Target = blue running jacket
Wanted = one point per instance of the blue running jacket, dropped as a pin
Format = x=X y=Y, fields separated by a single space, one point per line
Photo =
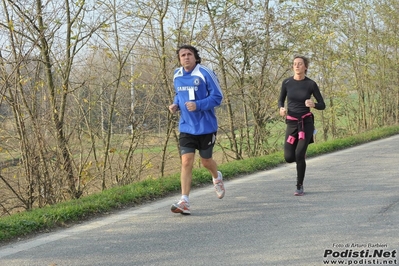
x=201 y=86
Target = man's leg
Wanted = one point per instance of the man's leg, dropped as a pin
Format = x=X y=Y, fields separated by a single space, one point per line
x=211 y=165
x=186 y=172
x=183 y=205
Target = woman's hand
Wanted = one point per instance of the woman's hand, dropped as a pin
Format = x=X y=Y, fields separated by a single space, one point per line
x=282 y=111
x=309 y=103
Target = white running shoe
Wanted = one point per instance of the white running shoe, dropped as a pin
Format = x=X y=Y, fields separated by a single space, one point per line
x=219 y=186
x=181 y=206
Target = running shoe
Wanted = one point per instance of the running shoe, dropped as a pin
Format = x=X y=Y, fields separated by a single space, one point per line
x=219 y=186
x=181 y=206
x=299 y=191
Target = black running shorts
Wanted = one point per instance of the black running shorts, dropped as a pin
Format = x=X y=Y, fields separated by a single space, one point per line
x=203 y=143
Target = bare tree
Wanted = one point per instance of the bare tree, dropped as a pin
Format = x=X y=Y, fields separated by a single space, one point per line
x=39 y=92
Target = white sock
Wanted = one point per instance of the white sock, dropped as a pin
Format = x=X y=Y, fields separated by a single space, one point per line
x=217 y=178
x=185 y=198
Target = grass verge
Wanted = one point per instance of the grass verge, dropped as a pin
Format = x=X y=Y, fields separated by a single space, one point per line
x=60 y=215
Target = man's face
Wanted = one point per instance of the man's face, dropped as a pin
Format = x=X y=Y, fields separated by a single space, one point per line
x=187 y=59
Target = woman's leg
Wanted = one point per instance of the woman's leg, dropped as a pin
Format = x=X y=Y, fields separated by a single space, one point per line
x=290 y=146
x=300 y=153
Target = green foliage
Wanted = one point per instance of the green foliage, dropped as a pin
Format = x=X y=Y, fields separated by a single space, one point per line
x=39 y=220
x=339 y=144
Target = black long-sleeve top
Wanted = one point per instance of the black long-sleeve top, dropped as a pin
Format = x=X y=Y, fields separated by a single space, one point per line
x=297 y=92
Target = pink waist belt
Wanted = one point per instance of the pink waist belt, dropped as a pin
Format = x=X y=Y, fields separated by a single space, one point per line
x=301 y=132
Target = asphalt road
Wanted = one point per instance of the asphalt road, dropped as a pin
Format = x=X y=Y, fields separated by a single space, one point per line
x=349 y=214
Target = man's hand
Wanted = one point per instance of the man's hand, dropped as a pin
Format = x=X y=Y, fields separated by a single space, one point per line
x=191 y=106
x=173 y=108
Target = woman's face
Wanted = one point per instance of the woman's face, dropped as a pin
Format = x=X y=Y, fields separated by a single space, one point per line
x=299 y=66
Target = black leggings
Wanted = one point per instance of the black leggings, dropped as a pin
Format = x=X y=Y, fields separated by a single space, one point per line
x=296 y=152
